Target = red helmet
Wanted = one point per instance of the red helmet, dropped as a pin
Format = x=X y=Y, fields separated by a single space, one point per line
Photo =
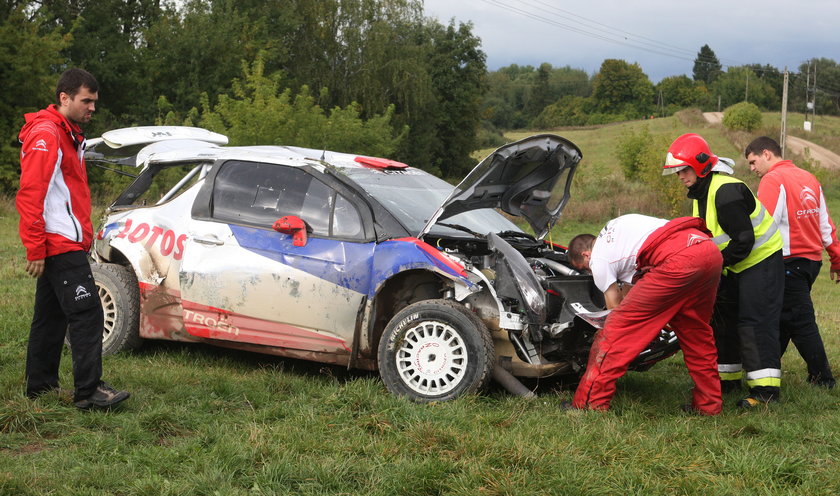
x=689 y=150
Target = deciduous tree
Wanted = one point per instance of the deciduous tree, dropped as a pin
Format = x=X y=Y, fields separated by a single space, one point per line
x=29 y=52
x=622 y=88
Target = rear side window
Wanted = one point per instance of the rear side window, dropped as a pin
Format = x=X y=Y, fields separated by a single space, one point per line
x=258 y=194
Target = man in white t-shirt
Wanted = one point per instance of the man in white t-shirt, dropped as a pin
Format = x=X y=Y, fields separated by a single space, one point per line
x=652 y=272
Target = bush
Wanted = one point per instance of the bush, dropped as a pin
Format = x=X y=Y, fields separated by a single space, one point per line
x=742 y=116
x=567 y=111
x=634 y=151
x=640 y=156
x=261 y=113
x=489 y=136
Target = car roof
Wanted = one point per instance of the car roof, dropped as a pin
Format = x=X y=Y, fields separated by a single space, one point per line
x=143 y=145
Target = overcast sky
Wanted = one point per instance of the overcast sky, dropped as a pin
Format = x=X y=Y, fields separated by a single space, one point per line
x=662 y=36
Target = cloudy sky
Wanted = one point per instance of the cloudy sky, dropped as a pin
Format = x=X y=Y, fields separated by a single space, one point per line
x=662 y=36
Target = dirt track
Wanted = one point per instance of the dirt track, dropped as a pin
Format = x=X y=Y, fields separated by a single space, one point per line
x=822 y=156
x=825 y=158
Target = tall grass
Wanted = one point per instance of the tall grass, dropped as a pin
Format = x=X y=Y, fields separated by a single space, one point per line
x=207 y=421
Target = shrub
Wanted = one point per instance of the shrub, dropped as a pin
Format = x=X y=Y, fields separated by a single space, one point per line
x=640 y=156
x=260 y=112
x=567 y=111
x=489 y=136
x=742 y=116
x=633 y=152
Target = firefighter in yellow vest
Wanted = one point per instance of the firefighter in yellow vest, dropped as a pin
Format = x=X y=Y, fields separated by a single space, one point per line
x=749 y=300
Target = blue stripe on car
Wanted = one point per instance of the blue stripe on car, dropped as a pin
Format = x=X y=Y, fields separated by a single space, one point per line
x=360 y=267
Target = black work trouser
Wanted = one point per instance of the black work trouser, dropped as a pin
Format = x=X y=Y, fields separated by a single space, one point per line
x=66 y=302
x=746 y=322
x=798 y=323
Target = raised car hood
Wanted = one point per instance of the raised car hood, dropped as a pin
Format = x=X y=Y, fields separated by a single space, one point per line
x=529 y=178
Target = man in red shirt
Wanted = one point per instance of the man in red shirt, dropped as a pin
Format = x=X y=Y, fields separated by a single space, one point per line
x=795 y=198
x=54 y=206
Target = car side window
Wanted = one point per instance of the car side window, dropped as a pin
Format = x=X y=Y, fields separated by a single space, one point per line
x=259 y=194
x=347 y=223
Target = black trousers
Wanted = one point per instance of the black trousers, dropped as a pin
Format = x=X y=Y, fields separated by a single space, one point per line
x=746 y=322
x=66 y=302
x=798 y=323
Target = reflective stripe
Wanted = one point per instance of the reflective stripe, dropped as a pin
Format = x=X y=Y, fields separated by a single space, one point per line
x=761 y=374
x=767 y=381
x=729 y=367
x=731 y=376
x=767 y=237
x=755 y=221
x=773 y=229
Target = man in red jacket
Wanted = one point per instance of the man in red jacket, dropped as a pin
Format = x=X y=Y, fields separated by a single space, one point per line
x=680 y=269
x=795 y=199
x=55 y=228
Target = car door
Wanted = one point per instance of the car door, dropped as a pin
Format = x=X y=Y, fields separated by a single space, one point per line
x=241 y=280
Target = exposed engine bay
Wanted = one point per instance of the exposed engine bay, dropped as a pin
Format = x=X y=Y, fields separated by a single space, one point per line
x=564 y=308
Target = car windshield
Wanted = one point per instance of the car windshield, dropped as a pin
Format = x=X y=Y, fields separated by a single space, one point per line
x=412 y=196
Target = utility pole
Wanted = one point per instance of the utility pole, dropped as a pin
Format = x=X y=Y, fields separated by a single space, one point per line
x=814 y=106
x=747 y=91
x=807 y=98
x=783 y=133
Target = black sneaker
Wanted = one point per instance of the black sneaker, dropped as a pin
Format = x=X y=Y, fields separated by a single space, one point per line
x=103 y=397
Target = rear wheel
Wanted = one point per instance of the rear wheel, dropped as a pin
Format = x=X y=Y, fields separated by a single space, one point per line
x=435 y=350
x=120 y=296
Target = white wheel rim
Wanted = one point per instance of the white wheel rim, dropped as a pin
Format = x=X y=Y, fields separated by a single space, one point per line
x=109 y=308
x=432 y=358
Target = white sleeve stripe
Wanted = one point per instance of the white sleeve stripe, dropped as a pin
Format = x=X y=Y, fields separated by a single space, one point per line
x=780 y=215
x=825 y=225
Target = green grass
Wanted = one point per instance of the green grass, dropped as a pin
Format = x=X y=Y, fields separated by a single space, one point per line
x=206 y=421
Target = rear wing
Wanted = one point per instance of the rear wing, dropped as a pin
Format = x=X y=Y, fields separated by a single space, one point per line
x=121 y=146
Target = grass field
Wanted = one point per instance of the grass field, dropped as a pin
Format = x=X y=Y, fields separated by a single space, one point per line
x=204 y=421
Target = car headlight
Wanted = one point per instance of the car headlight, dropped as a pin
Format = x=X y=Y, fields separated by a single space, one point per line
x=515 y=279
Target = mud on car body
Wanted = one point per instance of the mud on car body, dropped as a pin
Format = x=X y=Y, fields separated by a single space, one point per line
x=345 y=259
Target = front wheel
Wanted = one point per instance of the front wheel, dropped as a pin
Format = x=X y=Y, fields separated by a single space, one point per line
x=120 y=297
x=435 y=350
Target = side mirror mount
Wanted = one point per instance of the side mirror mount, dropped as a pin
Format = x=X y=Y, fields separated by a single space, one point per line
x=293 y=225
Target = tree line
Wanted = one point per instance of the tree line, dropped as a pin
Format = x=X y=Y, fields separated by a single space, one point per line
x=544 y=96
x=369 y=76
x=364 y=76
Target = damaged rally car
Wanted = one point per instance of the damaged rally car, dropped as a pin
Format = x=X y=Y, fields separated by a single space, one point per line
x=346 y=259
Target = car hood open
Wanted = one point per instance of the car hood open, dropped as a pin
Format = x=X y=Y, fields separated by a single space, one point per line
x=529 y=178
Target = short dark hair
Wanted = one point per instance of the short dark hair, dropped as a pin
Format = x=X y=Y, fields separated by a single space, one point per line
x=578 y=245
x=72 y=80
x=762 y=143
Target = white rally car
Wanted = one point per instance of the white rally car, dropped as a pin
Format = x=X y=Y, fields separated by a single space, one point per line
x=347 y=259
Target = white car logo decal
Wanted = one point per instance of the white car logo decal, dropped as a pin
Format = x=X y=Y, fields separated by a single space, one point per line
x=81 y=292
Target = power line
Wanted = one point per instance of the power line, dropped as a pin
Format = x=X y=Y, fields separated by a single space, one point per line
x=592 y=22
x=604 y=37
x=595 y=29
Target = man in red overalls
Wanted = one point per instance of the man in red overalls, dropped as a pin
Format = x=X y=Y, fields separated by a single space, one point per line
x=680 y=269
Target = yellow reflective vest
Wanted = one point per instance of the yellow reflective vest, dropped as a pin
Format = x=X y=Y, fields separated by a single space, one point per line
x=768 y=239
